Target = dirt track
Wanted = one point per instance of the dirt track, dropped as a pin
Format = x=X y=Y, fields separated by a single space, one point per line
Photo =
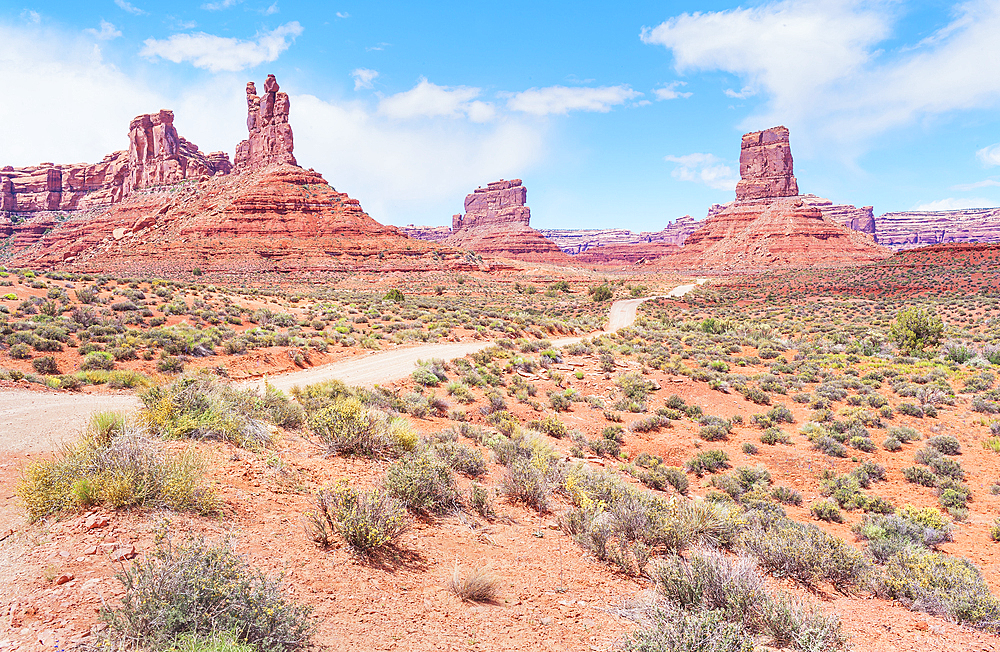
x=32 y=422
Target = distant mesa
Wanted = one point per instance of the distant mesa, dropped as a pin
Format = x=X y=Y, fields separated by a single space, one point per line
x=496 y=223
x=164 y=207
x=770 y=224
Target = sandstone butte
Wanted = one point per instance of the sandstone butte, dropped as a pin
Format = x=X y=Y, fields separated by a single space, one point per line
x=163 y=207
x=496 y=223
x=770 y=224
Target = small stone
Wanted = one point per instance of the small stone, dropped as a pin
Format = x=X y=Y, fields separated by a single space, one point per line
x=121 y=554
x=92 y=550
x=62 y=579
x=547 y=620
x=95 y=521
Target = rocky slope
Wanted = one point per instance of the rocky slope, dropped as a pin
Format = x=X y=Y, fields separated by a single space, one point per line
x=496 y=224
x=769 y=224
x=577 y=241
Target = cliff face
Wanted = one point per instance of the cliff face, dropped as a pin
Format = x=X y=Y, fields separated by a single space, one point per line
x=578 y=241
x=769 y=224
x=906 y=230
x=766 y=166
x=496 y=223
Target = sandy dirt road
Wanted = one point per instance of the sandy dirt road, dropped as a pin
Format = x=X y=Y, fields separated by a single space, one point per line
x=33 y=422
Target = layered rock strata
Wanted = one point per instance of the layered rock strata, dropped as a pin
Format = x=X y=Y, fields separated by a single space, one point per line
x=769 y=224
x=905 y=230
x=158 y=156
x=496 y=223
x=578 y=241
x=428 y=233
x=766 y=166
x=270 y=140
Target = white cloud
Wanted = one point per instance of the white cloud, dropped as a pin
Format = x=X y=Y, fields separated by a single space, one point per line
x=129 y=7
x=216 y=53
x=273 y=9
x=30 y=16
x=707 y=169
x=363 y=78
x=219 y=6
x=952 y=204
x=560 y=100
x=670 y=92
x=428 y=100
x=106 y=33
x=822 y=64
x=343 y=14
x=741 y=94
x=53 y=69
x=964 y=187
x=410 y=171
x=989 y=155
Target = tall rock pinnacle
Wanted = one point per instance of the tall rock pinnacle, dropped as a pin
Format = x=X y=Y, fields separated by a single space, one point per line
x=270 y=140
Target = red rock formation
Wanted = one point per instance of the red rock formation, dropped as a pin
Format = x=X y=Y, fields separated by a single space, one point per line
x=270 y=140
x=766 y=165
x=496 y=224
x=158 y=156
x=769 y=225
x=640 y=253
x=906 y=230
x=282 y=218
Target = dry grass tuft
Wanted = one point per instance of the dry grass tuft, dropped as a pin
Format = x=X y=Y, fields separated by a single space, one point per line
x=478 y=586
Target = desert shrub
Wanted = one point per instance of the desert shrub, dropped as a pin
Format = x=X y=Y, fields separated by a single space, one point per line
x=806 y=554
x=368 y=521
x=45 y=365
x=736 y=589
x=830 y=446
x=478 y=585
x=526 y=483
x=786 y=496
x=754 y=394
x=920 y=475
x=916 y=329
x=774 y=436
x=889 y=533
x=98 y=360
x=708 y=462
x=481 y=501
x=170 y=364
x=550 y=425
x=119 y=467
x=634 y=386
x=938 y=584
x=689 y=631
x=652 y=423
x=199 y=407
x=199 y=587
x=892 y=444
x=424 y=483
x=661 y=476
x=749 y=448
x=347 y=427
x=826 y=510
x=945 y=444
x=910 y=410
x=20 y=351
x=465 y=460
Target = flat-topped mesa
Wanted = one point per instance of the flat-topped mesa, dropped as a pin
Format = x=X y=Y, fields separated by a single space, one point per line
x=158 y=156
x=270 y=141
x=766 y=166
x=500 y=202
x=496 y=223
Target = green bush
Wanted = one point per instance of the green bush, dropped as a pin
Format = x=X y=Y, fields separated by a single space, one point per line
x=347 y=427
x=945 y=444
x=424 y=482
x=944 y=586
x=119 y=467
x=708 y=462
x=525 y=483
x=368 y=521
x=600 y=292
x=98 y=360
x=204 y=588
x=199 y=407
x=786 y=496
x=465 y=460
x=20 y=351
x=806 y=554
x=916 y=329
x=826 y=510
x=920 y=475
x=45 y=365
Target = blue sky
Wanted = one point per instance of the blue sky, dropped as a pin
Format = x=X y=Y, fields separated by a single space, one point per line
x=614 y=116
